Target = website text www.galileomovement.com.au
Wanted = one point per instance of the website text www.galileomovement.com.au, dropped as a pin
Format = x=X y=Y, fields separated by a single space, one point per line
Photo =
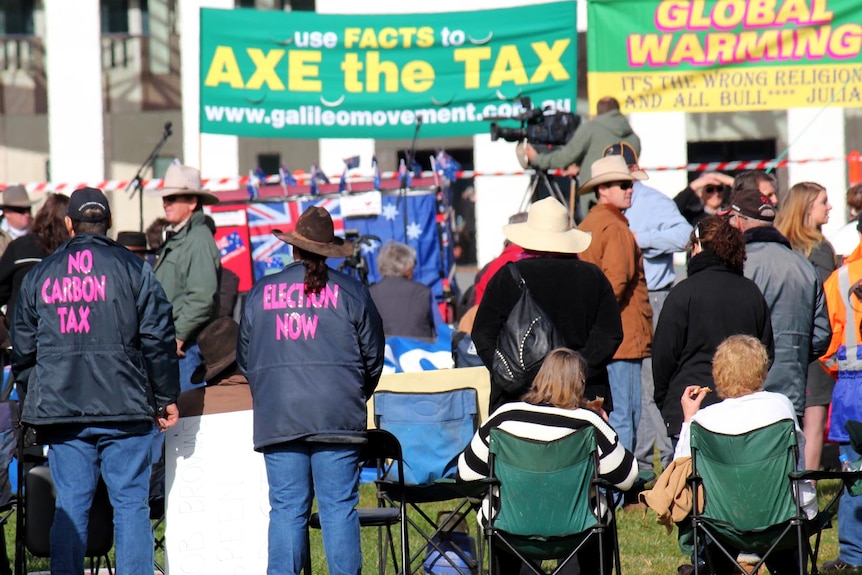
x=311 y=115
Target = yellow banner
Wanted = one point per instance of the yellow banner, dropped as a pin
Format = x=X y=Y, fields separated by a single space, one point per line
x=726 y=90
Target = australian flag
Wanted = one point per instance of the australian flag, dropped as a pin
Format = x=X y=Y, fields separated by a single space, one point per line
x=376 y=167
x=286 y=178
x=447 y=165
x=269 y=253
x=317 y=175
x=256 y=178
x=349 y=164
x=405 y=178
x=229 y=246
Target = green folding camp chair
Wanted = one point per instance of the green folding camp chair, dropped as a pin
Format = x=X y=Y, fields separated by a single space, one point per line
x=544 y=494
x=748 y=494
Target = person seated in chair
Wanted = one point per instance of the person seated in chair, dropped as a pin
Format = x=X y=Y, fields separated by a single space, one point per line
x=739 y=369
x=404 y=304
x=551 y=409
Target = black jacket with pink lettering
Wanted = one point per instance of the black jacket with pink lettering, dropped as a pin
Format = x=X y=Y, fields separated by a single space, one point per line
x=93 y=337
x=312 y=361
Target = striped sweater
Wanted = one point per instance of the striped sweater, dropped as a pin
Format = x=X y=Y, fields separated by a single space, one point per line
x=546 y=423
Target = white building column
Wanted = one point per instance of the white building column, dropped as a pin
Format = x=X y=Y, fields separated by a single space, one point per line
x=663 y=144
x=73 y=66
x=497 y=197
x=160 y=36
x=815 y=133
x=215 y=155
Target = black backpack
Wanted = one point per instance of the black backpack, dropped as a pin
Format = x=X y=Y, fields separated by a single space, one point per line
x=524 y=341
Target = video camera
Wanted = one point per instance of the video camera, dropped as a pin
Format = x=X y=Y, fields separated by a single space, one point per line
x=541 y=126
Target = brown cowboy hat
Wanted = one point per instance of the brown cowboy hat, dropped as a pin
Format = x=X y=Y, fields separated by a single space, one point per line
x=217 y=343
x=16 y=197
x=134 y=242
x=315 y=233
x=183 y=180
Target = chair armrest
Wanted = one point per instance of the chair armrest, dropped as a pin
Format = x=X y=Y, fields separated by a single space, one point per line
x=844 y=476
x=475 y=488
x=644 y=477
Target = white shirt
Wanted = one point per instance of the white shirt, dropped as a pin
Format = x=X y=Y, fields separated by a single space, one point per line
x=743 y=414
x=13 y=233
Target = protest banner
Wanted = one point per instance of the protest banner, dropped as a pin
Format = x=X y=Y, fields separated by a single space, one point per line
x=272 y=74
x=725 y=55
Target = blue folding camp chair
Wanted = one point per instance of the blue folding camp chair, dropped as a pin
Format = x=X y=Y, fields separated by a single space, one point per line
x=433 y=429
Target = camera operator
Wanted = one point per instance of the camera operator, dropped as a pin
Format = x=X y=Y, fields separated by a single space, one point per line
x=608 y=127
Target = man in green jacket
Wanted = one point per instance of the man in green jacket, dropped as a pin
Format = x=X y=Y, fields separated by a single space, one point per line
x=188 y=264
x=608 y=127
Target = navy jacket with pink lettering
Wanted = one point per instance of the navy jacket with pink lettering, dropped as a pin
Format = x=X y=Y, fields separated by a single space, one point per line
x=93 y=337
x=312 y=360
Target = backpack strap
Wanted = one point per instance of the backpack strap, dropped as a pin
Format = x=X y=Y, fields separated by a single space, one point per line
x=517 y=275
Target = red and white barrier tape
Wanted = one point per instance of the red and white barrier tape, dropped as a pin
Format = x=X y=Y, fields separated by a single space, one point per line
x=221 y=184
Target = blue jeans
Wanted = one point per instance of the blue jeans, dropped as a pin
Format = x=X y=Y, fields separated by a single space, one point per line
x=188 y=364
x=121 y=453
x=850 y=521
x=625 y=380
x=332 y=471
x=652 y=430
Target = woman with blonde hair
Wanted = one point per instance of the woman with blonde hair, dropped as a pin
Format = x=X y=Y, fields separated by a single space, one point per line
x=801 y=217
x=739 y=368
x=551 y=409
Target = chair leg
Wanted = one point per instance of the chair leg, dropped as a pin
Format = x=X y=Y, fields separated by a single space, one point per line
x=307 y=568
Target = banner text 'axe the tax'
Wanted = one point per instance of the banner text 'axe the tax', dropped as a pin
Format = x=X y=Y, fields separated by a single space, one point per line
x=304 y=75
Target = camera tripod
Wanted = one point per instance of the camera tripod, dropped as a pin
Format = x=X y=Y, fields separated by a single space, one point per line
x=542 y=177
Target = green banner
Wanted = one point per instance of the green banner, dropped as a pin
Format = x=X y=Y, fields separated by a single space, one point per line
x=725 y=55
x=274 y=74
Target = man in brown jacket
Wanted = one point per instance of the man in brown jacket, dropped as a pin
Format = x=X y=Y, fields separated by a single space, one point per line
x=616 y=252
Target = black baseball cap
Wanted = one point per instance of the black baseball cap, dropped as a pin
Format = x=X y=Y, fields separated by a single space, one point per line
x=88 y=199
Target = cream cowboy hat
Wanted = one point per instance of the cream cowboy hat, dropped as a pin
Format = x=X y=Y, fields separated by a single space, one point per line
x=608 y=169
x=183 y=180
x=547 y=229
x=16 y=197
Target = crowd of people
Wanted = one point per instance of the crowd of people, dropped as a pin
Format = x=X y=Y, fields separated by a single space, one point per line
x=112 y=342
x=756 y=268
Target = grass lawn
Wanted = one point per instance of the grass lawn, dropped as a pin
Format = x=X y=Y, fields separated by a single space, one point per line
x=646 y=548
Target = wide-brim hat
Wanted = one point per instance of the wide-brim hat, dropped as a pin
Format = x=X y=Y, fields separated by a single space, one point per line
x=134 y=241
x=315 y=233
x=16 y=197
x=183 y=180
x=217 y=343
x=608 y=169
x=547 y=229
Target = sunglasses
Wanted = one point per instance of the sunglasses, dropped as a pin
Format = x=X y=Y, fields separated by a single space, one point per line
x=713 y=190
x=17 y=210
x=624 y=185
x=177 y=197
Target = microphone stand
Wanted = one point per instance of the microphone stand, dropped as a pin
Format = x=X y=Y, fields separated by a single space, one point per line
x=411 y=155
x=136 y=185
